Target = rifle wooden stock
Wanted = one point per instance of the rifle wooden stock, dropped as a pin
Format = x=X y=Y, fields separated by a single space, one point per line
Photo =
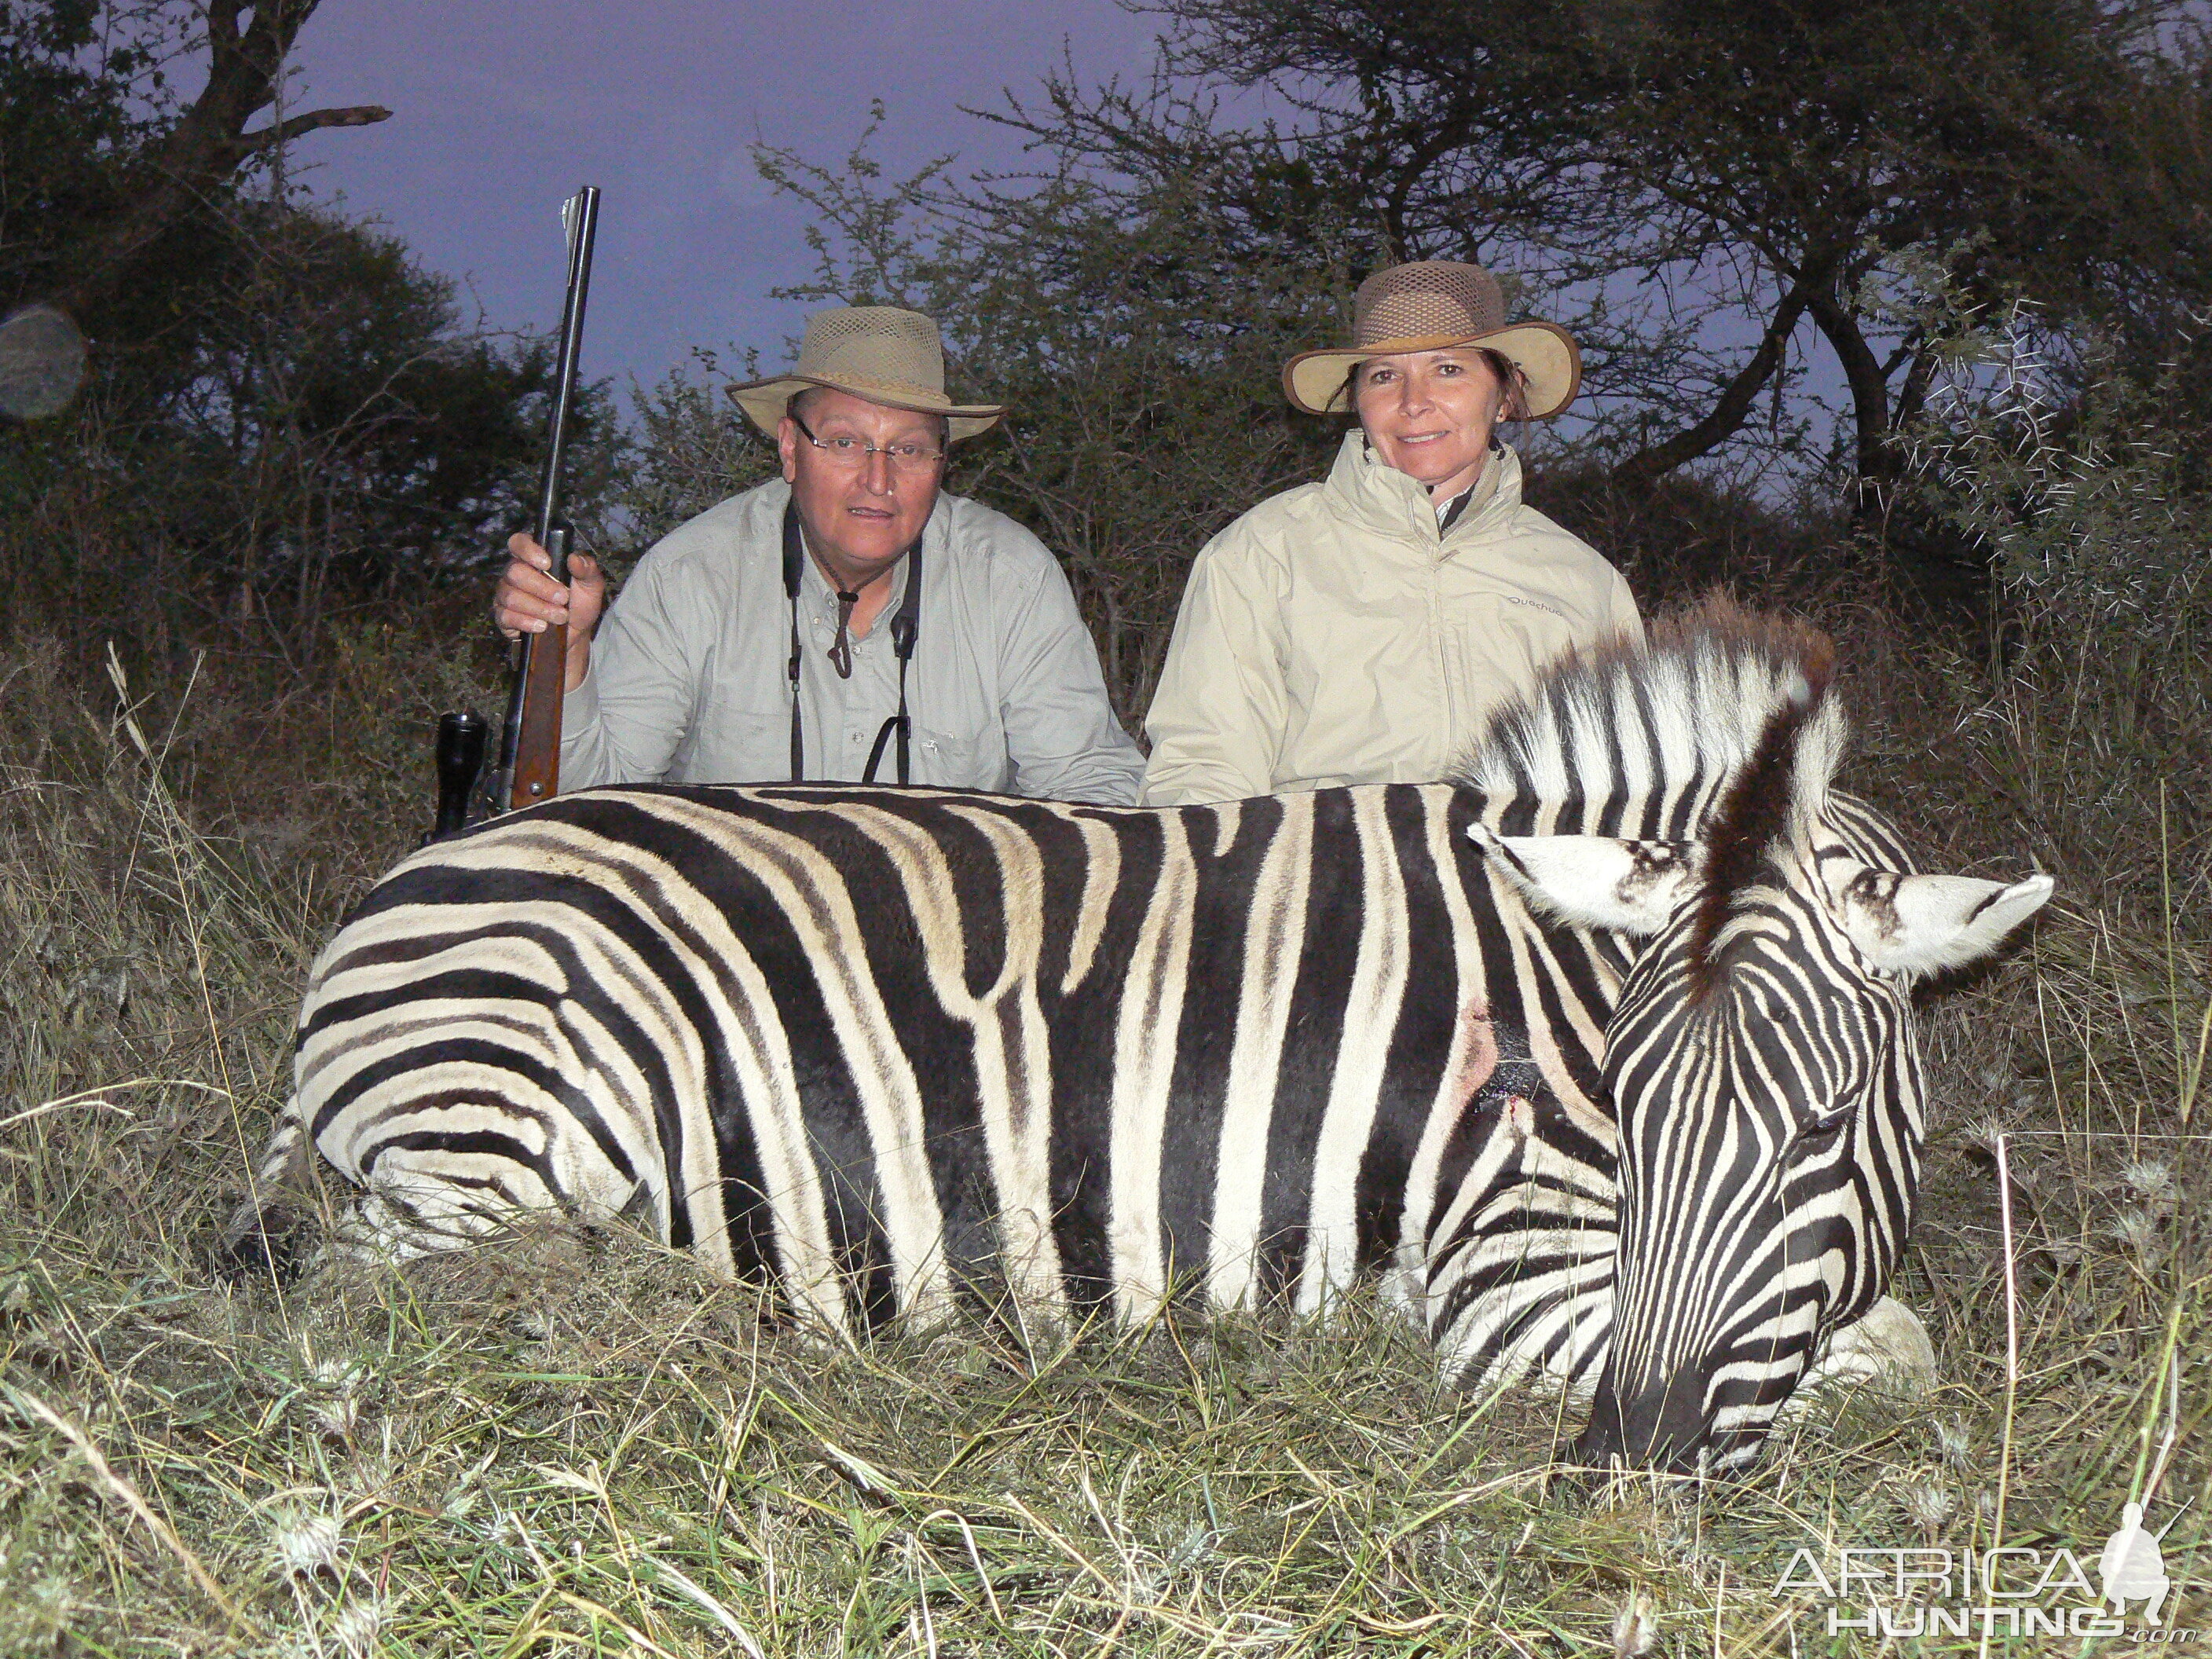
x=538 y=753
x=541 y=675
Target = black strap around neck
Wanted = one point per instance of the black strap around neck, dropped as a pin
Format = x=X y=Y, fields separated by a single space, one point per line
x=906 y=630
x=794 y=556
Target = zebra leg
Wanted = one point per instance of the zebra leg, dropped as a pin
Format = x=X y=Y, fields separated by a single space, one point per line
x=447 y=1188
x=261 y=1239
x=1888 y=1346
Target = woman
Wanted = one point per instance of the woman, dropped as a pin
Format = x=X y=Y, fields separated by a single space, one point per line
x=1362 y=629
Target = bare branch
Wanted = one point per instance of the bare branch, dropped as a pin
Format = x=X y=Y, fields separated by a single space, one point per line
x=358 y=115
x=188 y=167
x=1733 y=407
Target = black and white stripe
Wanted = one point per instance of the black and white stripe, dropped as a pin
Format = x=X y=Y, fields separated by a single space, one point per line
x=904 y=1051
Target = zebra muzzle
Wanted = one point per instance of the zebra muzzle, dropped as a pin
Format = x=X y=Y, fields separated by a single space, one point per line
x=1667 y=1426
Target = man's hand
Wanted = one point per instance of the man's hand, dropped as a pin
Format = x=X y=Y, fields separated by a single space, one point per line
x=528 y=600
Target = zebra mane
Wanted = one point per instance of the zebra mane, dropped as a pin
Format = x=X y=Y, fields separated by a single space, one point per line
x=1718 y=729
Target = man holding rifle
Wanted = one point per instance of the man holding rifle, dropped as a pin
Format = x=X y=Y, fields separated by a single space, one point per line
x=848 y=622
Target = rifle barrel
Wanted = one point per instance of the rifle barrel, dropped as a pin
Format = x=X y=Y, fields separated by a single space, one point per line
x=585 y=207
x=530 y=742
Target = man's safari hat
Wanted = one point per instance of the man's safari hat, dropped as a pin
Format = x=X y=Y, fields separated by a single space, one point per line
x=881 y=353
x=1430 y=305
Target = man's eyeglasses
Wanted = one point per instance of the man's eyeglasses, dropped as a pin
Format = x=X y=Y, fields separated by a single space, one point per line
x=909 y=456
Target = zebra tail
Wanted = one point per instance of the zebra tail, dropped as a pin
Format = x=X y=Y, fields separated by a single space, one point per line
x=263 y=1240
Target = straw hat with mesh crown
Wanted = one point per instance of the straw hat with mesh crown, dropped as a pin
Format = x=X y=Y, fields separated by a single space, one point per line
x=883 y=353
x=1430 y=305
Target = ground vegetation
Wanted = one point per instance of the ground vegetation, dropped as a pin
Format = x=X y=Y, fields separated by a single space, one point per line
x=572 y=1442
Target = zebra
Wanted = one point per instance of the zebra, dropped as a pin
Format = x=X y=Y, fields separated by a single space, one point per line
x=1599 y=1055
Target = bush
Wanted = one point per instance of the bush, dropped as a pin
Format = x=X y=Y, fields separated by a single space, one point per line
x=2093 y=508
x=318 y=434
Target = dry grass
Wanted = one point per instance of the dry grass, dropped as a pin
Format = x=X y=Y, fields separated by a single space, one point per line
x=573 y=1443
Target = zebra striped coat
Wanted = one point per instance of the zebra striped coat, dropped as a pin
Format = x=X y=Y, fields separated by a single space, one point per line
x=893 y=1052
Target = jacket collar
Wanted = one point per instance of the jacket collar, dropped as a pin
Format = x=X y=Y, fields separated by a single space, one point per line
x=1388 y=501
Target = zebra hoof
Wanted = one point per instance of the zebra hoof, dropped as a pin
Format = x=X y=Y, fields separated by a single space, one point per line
x=263 y=1244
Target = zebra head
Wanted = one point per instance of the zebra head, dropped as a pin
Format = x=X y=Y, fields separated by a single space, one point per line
x=1761 y=1065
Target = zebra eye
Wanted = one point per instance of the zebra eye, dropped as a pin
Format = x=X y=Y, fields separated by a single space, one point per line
x=1822 y=1125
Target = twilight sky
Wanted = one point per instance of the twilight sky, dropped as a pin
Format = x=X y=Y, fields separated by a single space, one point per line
x=501 y=109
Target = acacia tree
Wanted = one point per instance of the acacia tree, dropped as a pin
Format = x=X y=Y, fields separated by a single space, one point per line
x=1716 y=183
x=99 y=163
x=283 y=413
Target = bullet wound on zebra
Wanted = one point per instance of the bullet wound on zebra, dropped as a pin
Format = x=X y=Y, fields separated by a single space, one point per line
x=1598 y=1055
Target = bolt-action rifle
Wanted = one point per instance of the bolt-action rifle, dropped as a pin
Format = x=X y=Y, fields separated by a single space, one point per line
x=528 y=767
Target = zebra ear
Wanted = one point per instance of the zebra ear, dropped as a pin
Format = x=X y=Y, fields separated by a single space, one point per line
x=1597 y=881
x=1917 y=925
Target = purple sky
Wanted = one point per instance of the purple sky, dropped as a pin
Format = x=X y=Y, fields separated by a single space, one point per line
x=501 y=109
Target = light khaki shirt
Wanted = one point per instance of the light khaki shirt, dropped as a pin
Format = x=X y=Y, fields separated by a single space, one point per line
x=1334 y=635
x=688 y=681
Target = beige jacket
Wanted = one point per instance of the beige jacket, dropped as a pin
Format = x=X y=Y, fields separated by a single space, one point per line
x=1331 y=635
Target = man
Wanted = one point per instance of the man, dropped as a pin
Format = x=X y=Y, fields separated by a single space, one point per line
x=761 y=640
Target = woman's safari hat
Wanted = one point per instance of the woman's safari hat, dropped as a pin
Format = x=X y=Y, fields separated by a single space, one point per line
x=883 y=353
x=1430 y=305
